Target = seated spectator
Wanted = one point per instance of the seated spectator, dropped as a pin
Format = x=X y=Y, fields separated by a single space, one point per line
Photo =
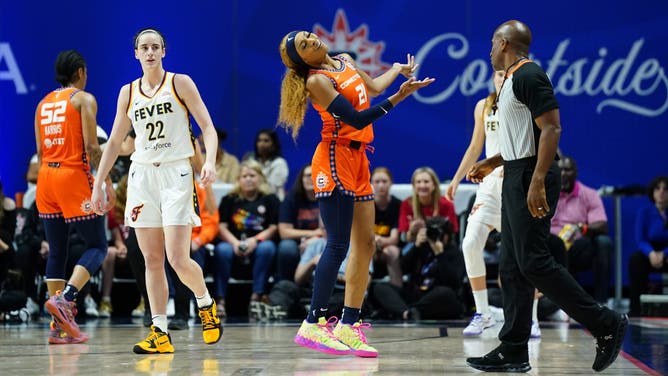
x=227 y=165
x=652 y=237
x=248 y=225
x=268 y=154
x=436 y=272
x=580 y=221
x=298 y=224
x=7 y=232
x=387 y=234
x=426 y=201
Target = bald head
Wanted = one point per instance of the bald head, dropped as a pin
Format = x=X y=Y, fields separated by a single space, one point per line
x=517 y=34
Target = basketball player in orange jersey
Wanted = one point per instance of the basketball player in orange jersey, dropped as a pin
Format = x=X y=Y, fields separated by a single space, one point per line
x=341 y=93
x=66 y=140
x=161 y=200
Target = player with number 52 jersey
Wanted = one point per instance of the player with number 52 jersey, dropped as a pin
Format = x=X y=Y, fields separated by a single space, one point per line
x=66 y=140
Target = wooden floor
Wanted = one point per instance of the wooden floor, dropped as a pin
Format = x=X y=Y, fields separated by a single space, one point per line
x=267 y=349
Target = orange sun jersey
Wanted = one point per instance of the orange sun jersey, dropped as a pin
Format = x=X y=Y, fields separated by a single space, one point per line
x=350 y=84
x=60 y=130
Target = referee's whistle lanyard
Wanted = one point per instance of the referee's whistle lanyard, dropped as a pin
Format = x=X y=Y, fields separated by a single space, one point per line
x=511 y=69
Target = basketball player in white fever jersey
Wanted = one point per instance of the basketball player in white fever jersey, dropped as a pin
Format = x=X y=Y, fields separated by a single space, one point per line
x=161 y=201
x=486 y=212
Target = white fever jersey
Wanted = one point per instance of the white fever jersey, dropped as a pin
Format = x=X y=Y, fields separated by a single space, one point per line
x=161 y=122
x=491 y=123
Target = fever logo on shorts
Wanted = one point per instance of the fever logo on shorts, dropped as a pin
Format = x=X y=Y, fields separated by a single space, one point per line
x=135 y=212
x=86 y=206
x=322 y=180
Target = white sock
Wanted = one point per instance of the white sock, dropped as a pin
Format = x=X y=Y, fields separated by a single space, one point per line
x=481 y=302
x=204 y=300
x=160 y=322
x=534 y=314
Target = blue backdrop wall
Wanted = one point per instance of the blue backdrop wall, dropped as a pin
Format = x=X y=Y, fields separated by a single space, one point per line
x=607 y=61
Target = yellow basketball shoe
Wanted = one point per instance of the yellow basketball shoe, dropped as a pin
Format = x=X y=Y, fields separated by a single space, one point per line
x=157 y=342
x=354 y=337
x=318 y=336
x=212 y=330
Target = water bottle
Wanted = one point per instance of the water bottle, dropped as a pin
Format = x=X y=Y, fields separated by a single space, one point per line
x=568 y=233
x=243 y=247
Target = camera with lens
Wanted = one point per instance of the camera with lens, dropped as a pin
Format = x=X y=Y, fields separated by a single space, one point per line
x=437 y=227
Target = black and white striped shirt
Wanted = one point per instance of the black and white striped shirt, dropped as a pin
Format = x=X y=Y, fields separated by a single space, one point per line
x=524 y=96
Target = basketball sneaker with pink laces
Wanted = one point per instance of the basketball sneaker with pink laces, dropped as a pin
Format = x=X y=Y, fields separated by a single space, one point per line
x=63 y=313
x=353 y=336
x=58 y=336
x=318 y=336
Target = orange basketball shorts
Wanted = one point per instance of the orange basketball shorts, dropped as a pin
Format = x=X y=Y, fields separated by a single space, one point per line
x=64 y=192
x=342 y=167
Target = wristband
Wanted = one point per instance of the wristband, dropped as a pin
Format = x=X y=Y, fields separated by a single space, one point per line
x=259 y=238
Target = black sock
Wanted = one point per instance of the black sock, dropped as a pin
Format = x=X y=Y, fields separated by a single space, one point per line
x=350 y=315
x=70 y=293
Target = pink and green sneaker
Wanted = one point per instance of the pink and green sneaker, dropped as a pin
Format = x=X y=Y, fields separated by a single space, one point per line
x=58 y=336
x=319 y=337
x=354 y=337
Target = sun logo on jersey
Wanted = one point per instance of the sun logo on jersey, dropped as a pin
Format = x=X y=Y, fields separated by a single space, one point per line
x=86 y=206
x=135 y=212
x=342 y=39
x=322 y=180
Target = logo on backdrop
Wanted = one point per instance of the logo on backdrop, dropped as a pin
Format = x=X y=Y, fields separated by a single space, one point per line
x=628 y=82
x=342 y=39
x=11 y=71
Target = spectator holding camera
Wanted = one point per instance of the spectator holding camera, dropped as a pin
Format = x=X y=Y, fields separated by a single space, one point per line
x=426 y=201
x=436 y=271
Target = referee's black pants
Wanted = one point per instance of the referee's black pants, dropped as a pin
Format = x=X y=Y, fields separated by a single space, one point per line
x=525 y=261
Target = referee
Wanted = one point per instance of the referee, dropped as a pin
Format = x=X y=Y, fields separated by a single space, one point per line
x=528 y=140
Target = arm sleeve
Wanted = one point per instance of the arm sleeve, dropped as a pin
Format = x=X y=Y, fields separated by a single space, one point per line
x=340 y=108
x=533 y=88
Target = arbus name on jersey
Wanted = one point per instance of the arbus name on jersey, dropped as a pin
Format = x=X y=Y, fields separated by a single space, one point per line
x=349 y=81
x=157 y=109
x=53 y=129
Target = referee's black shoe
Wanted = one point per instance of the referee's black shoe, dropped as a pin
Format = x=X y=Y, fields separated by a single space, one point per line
x=504 y=358
x=609 y=343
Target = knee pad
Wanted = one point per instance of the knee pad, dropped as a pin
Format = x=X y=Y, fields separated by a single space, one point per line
x=92 y=259
x=472 y=246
